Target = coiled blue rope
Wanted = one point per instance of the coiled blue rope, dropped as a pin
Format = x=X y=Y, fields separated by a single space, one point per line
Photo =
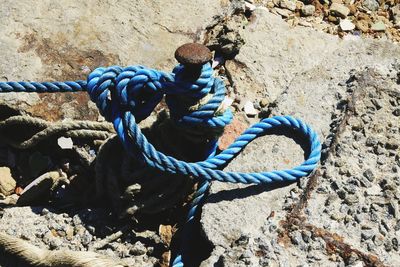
x=125 y=96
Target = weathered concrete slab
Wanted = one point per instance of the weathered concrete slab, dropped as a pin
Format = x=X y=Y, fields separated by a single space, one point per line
x=274 y=54
x=314 y=91
x=358 y=197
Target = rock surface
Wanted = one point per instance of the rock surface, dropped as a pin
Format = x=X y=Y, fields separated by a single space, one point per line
x=347 y=214
x=317 y=94
x=263 y=32
x=360 y=188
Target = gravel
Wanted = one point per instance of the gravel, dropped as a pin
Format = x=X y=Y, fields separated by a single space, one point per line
x=327 y=15
x=372 y=208
x=50 y=229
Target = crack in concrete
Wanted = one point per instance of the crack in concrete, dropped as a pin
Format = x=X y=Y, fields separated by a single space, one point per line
x=295 y=219
x=194 y=36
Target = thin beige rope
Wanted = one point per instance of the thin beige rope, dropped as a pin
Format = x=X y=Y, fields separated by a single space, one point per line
x=34 y=256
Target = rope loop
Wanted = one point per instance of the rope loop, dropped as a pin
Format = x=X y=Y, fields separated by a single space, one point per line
x=210 y=169
x=99 y=86
x=139 y=90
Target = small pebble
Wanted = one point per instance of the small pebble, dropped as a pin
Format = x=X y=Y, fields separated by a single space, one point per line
x=346 y=25
x=250 y=7
x=86 y=238
x=339 y=10
x=45 y=211
x=288 y=4
x=362 y=25
x=308 y=10
x=283 y=12
x=138 y=249
x=65 y=142
x=249 y=109
x=264 y=102
x=371 y=5
x=378 y=27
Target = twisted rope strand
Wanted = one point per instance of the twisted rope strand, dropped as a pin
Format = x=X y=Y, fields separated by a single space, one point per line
x=78 y=129
x=42 y=257
x=131 y=136
x=50 y=87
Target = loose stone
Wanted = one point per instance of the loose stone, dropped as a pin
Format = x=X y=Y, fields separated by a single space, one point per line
x=371 y=5
x=283 y=12
x=264 y=102
x=65 y=142
x=378 y=27
x=7 y=182
x=339 y=10
x=362 y=25
x=346 y=25
x=288 y=4
x=308 y=10
x=249 y=109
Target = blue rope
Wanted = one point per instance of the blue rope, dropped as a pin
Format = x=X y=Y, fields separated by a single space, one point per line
x=69 y=86
x=125 y=96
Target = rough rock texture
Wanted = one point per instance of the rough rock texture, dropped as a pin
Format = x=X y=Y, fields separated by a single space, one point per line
x=274 y=54
x=310 y=82
x=346 y=214
x=360 y=188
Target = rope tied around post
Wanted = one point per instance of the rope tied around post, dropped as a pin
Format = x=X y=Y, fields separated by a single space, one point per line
x=126 y=96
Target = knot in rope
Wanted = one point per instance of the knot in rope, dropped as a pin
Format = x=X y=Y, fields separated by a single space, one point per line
x=135 y=89
x=138 y=90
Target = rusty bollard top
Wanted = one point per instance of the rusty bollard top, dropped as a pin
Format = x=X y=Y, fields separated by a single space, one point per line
x=193 y=54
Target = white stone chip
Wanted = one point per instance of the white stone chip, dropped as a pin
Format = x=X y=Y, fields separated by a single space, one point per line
x=217 y=61
x=346 y=25
x=65 y=142
x=249 y=109
x=250 y=7
x=227 y=102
